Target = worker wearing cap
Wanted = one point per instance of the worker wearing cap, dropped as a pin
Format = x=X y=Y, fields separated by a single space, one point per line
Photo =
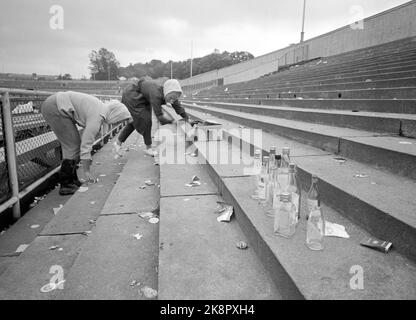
x=143 y=96
x=63 y=111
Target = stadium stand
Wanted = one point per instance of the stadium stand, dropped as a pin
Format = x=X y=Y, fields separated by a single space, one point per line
x=350 y=119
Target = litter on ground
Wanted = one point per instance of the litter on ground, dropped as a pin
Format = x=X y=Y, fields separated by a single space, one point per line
x=148 y=292
x=56 y=210
x=195 y=182
x=83 y=189
x=21 y=248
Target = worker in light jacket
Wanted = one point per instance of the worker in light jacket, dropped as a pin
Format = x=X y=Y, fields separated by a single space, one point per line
x=63 y=111
x=143 y=96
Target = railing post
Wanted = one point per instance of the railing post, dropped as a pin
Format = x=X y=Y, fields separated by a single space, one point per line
x=11 y=153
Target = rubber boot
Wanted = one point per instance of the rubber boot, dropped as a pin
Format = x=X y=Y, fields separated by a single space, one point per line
x=66 y=178
x=75 y=179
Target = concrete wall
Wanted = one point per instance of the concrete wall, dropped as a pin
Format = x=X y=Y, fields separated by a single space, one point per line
x=394 y=24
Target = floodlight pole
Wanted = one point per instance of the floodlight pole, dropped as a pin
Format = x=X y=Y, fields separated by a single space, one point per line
x=191 y=56
x=302 y=34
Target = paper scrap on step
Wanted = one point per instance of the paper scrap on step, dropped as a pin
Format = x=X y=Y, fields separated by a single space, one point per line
x=56 y=210
x=21 y=248
x=335 y=230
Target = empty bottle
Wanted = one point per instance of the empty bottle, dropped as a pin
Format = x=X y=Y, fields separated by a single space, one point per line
x=272 y=156
x=273 y=187
x=285 y=217
x=294 y=190
x=315 y=230
x=257 y=170
x=283 y=172
x=263 y=182
x=313 y=198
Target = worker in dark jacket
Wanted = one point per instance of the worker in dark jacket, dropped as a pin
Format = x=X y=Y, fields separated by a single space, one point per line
x=141 y=98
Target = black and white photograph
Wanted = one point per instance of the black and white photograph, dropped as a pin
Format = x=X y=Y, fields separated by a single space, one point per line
x=207 y=158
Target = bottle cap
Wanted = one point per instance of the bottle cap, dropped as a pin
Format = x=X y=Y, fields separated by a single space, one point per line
x=273 y=149
x=286 y=150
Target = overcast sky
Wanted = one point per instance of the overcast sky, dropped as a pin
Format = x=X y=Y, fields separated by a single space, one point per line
x=139 y=30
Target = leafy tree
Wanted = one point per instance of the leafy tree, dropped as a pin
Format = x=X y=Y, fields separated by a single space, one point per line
x=103 y=65
x=66 y=76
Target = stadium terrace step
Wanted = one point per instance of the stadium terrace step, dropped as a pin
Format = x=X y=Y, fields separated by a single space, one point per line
x=198 y=256
x=392 y=123
x=298 y=272
x=405 y=106
x=113 y=264
x=325 y=66
x=322 y=72
x=386 y=83
x=367 y=78
x=368 y=93
x=312 y=78
x=395 y=154
x=68 y=230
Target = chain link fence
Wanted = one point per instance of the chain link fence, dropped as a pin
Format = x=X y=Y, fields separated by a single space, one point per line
x=36 y=152
x=37 y=149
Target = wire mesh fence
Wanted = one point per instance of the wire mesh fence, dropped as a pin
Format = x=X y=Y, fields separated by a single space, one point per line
x=36 y=148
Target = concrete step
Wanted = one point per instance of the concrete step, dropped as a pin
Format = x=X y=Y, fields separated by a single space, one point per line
x=331 y=81
x=112 y=257
x=342 y=69
x=310 y=76
x=198 y=257
x=391 y=153
x=379 y=194
x=315 y=76
x=392 y=123
x=298 y=272
x=368 y=93
x=373 y=93
x=385 y=83
x=406 y=106
x=24 y=274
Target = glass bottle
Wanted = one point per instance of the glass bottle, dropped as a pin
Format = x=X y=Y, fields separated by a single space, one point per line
x=283 y=172
x=285 y=217
x=313 y=198
x=293 y=189
x=273 y=187
x=263 y=182
x=272 y=156
x=315 y=230
x=257 y=170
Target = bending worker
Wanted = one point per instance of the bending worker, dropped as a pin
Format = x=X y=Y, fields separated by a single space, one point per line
x=141 y=98
x=63 y=111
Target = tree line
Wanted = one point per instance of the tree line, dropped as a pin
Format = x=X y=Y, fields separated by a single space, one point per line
x=105 y=66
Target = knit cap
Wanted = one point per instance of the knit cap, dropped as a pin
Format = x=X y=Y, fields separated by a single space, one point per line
x=171 y=85
x=116 y=112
